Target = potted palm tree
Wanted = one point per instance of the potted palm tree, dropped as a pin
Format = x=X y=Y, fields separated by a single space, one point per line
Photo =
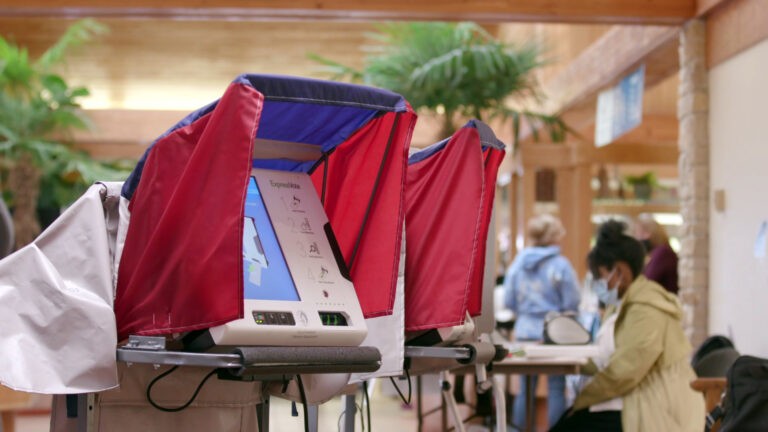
x=452 y=69
x=643 y=185
x=40 y=170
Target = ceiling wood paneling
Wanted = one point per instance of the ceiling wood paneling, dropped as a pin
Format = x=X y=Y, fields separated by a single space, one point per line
x=150 y=64
x=570 y=11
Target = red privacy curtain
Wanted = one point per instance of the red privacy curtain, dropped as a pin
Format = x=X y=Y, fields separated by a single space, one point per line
x=181 y=269
x=449 y=198
x=492 y=158
x=443 y=200
x=353 y=170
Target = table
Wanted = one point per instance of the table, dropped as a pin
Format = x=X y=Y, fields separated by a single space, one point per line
x=543 y=360
x=538 y=359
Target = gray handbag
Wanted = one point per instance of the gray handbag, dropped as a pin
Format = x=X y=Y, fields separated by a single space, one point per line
x=564 y=329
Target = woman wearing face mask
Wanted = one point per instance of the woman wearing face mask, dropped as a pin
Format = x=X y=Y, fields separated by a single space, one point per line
x=648 y=370
x=662 y=260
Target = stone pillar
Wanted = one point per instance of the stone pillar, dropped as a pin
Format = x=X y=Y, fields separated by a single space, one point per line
x=693 y=141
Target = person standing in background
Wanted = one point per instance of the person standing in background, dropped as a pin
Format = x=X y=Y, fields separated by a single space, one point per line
x=661 y=266
x=540 y=280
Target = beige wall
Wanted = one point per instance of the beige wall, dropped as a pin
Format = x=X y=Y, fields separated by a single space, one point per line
x=739 y=165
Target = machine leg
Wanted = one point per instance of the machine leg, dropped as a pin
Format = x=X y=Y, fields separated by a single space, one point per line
x=445 y=388
x=419 y=417
x=501 y=403
x=262 y=415
x=349 y=412
x=530 y=394
x=312 y=414
x=83 y=413
x=443 y=414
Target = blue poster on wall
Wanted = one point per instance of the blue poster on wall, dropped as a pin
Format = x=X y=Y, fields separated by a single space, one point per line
x=620 y=108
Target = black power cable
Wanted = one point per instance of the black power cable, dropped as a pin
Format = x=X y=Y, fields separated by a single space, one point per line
x=408 y=377
x=303 y=402
x=177 y=409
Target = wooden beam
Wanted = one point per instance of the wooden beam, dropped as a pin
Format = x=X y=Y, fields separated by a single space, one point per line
x=574 y=197
x=573 y=93
x=140 y=126
x=527 y=201
x=631 y=153
x=614 y=55
x=513 y=190
x=124 y=134
x=568 y=155
x=706 y=7
x=653 y=130
x=582 y=231
x=666 y=12
x=734 y=28
x=112 y=149
x=545 y=155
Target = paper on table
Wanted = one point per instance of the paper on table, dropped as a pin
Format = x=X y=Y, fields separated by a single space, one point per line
x=537 y=350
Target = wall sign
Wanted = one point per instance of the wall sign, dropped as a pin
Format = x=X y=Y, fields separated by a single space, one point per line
x=620 y=108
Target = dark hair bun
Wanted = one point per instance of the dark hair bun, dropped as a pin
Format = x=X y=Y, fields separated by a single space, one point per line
x=611 y=232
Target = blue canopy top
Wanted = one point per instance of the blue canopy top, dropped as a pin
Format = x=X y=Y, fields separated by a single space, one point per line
x=487 y=139
x=302 y=110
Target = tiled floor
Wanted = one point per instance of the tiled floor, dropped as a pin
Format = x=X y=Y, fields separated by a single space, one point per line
x=32 y=423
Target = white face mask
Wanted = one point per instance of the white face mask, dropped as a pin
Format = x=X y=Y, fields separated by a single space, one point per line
x=607 y=295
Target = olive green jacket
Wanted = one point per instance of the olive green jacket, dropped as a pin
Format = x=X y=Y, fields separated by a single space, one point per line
x=649 y=368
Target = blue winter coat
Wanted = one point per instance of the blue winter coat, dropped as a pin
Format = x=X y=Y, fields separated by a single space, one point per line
x=540 y=280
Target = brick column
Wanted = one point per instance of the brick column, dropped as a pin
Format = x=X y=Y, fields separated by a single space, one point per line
x=693 y=141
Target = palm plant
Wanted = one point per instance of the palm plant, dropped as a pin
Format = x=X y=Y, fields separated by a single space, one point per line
x=451 y=68
x=38 y=113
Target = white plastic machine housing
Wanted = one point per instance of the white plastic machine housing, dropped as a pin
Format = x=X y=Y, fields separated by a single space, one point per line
x=323 y=294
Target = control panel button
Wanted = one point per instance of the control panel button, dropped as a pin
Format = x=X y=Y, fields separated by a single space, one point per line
x=273 y=318
x=286 y=318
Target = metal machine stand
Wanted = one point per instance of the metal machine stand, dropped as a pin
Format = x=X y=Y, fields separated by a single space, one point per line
x=248 y=363
x=450 y=402
x=349 y=412
x=464 y=355
x=312 y=416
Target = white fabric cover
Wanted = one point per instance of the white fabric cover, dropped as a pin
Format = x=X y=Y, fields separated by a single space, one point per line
x=318 y=388
x=387 y=333
x=58 y=332
x=221 y=406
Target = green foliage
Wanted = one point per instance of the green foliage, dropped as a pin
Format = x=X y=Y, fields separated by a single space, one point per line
x=452 y=68
x=38 y=113
x=648 y=178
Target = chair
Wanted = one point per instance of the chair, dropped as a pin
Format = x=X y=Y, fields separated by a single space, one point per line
x=713 y=391
x=711 y=363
